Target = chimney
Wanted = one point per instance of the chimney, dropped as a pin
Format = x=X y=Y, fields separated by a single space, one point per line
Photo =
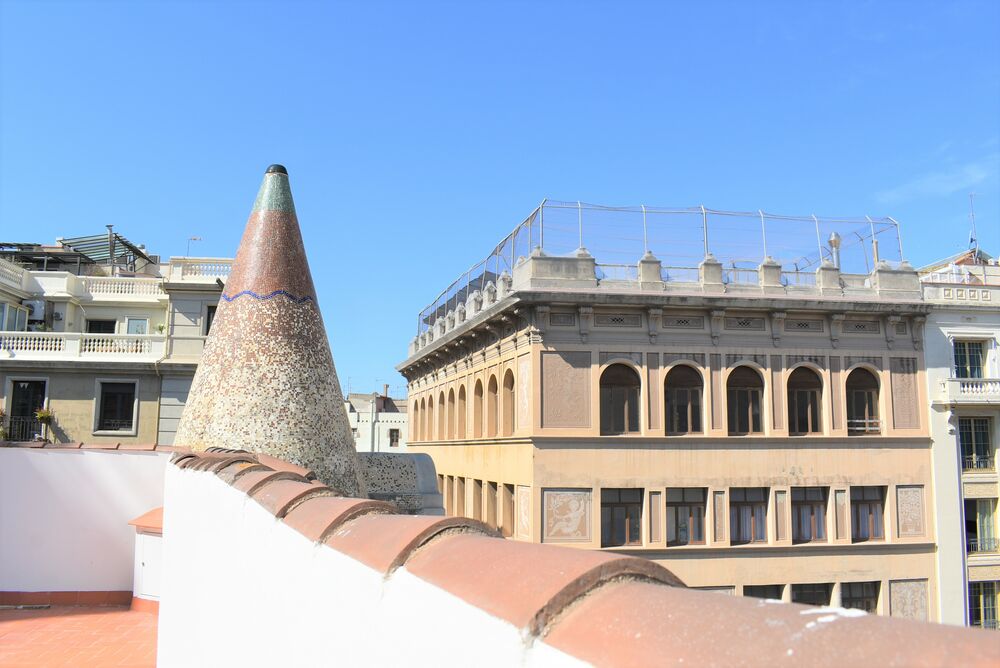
x=266 y=382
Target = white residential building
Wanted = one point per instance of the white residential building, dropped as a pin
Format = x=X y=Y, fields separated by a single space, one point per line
x=378 y=422
x=963 y=376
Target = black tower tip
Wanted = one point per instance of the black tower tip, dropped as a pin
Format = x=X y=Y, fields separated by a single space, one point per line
x=276 y=169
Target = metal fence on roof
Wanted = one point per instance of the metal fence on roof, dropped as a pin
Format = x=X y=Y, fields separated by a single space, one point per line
x=680 y=238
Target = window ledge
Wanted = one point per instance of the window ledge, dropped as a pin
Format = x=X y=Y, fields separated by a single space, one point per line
x=108 y=432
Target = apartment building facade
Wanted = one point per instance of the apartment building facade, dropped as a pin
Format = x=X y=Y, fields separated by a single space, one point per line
x=963 y=376
x=106 y=348
x=760 y=432
x=378 y=422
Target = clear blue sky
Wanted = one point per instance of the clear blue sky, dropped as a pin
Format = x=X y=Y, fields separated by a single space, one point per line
x=418 y=134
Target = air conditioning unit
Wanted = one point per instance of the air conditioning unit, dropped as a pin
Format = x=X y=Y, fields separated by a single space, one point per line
x=36 y=309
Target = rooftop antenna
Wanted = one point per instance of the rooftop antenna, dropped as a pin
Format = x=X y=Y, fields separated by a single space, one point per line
x=190 y=239
x=974 y=239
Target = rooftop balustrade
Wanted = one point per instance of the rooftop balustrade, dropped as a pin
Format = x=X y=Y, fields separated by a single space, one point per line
x=970 y=391
x=77 y=346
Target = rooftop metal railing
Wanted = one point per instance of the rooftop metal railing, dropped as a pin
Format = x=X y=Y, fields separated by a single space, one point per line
x=680 y=238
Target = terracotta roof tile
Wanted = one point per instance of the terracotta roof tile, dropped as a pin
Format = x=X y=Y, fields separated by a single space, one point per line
x=63 y=446
x=252 y=481
x=281 y=495
x=137 y=446
x=231 y=472
x=100 y=446
x=638 y=624
x=282 y=465
x=150 y=522
x=524 y=583
x=319 y=516
x=385 y=542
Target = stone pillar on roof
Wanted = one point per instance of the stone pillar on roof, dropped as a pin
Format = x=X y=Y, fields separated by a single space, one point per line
x=266 y=382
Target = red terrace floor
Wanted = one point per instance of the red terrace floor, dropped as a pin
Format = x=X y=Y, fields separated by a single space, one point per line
x=62 y=636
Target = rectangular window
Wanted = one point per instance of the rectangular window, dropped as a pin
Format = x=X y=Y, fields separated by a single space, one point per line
x=980 y=525
x=772 y=592
x=974 y=437
x=137 y=325
x=748 y=515
x=808 y=514
x=393 y=438
x=859 y=596
x=867 y=506
x=683 y=410
x=812 y=594
x=209 y=318
x=621 y=517
x=686 y=516
x=968 y=359
x=983 y=604
x=744 y=411
x=116 y=411
x=100 y=326
x=803 y=411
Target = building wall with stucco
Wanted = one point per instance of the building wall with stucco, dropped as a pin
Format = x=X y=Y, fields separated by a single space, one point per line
x=545 y=450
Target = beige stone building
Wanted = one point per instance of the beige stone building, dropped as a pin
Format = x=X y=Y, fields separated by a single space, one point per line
x=103 y=335
x=760 y=431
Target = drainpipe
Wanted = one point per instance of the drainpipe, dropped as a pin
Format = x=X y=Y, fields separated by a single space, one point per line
x=374 y=417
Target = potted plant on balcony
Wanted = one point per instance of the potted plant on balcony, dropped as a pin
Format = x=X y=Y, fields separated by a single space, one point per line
x=3 y=431
x=44 y=415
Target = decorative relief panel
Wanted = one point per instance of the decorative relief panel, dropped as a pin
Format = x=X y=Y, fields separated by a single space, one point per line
x=900 y=328
x=524 y=391
x=562 y=319
x=908 y=599
x=861 y=327
x=754 y=324
x=910 y=510
x=566 y=515
x=670 y=358
x=903 y=378
x=980 y=573
x=980 y=490
x=617 y=320
x=683 y=322
x=608 y=356
x=803 y=325
x=719 y=511
x=840 y=508
x=523 y=512
x=818 y=360
x=733 y=359
x=566 y=389
x=851 y=360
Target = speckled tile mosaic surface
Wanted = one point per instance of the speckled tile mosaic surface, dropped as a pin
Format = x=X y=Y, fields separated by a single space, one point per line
x=267 y=382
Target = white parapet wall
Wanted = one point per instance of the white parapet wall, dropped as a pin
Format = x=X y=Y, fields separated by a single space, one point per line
x=241 y=587
x=64 y=516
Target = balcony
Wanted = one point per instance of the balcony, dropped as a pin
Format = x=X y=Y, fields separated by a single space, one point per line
x=117 y=288
x=199 y=269
x=21 y=428
x=11 y=275
x=978 y=464
x=864 y=426
x=983 y=546
x=970 y=391
x=79 y=346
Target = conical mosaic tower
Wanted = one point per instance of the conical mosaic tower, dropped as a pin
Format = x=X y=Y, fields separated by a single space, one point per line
x=266 y=382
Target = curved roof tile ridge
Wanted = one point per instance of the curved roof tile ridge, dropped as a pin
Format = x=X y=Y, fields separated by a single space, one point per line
x=600 y=607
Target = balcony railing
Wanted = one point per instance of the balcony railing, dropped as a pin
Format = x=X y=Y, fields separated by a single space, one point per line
x=857 y=427
x=989 y=624
x=977 y=463
x=740 y=276
x=21 y=428
x=617 y=272
x=201 y=269
x=121 y=286
x=971 y=390
x=76 y=345
x=11 y=274
x=982 y=545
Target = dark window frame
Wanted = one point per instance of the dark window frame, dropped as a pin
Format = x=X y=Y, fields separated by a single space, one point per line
x=805 y=393
x=744 y=403
x=110 y=418
x=620 y=401
x=692 y=510
x=860 y=596
x=809 y=503
x=868 y=513
x=630 y=515
x=757 y=522
x=683 y=401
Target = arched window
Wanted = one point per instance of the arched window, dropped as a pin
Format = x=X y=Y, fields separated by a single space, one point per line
x=683 y=397
x=862 y=403
x=804 y=389
x=619 y=400
x=477 y=410
x=744 y=392
x=460 y=421
x=451 y=414
x=492 y=404
x=442 y=418
x=429 y=420
x=508 y=404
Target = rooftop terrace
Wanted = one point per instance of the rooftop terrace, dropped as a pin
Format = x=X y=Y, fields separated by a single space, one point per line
x=680 y=239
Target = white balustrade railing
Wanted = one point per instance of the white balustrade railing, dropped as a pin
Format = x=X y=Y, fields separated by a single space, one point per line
x=972 y=389
x=201 y=269
x=76 y=345
x=11 y=274
x=121 y=286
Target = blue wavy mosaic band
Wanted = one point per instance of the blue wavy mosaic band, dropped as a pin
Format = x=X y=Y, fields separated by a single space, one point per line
x=250 y=293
